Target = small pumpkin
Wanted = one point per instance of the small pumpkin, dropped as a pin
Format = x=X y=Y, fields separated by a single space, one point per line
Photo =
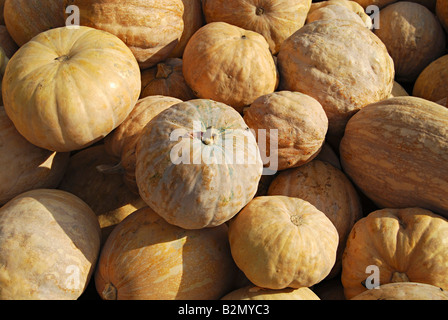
x=403 y=291
x=339 y=9
x=431 y=83
x=252 y=292
x=442 y=13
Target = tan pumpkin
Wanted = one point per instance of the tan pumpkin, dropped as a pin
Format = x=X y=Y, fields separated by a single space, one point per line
x=280 y=242
x=6 y=42
x=151 y=29
x=431 y=83
x=413 y=36
x=197 y=164
x=25 y=19
x=252 y=292
x=146 y=258
x=25 y=166
x=166 y=79
x=403 y=291
x=243 y=70
x=442 y=13
x=396 y=245
x=339 y=9
x=68 y=88
x=395 y=151
x=105 y=192
x=341 y=64
x=329 y=190
x=292 y=124
x=276 y=20
x=49 y=246
x=430 y=4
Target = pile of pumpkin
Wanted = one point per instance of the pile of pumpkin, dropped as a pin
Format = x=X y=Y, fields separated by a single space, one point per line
x=94 y=204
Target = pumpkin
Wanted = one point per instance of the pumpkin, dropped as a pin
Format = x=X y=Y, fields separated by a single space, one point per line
x=396 y=151
x=166 y=79
x=252 y=292
x=122 y=142
x=396 y=245
x=151 y=29
x=404 y=291
x=442 y=13
x=146 y=258
x=431 y=83
x=280 y=242
x=25 y=19
x=197 y=164
x=68 y=88
x=4 y=60
x=341 y=64
x=6 y=42
x=276 y=20
x=27 y=166
x=105 y=192
x=243 y=70
x=413 y=37
x=329 y=190
x=339 y=9
x=430 y=4
x=49 y=246
x=291 y=124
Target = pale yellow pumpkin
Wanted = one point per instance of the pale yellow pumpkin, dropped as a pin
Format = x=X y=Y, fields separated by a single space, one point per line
x=252 y=292
x=339 y=9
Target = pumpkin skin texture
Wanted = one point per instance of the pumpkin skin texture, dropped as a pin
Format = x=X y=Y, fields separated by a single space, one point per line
x=341 y=64
x=28 y=167
x=50 y=243
x=430 y=4
x=25 y=19
x=146 y=258
x=431 y=83
x=243 y=71
x=251 y=292
x=398 y=91
x=442 y=13
x=281 y=242
x=406 y=245
x=392 y=148
x=276 y=20
x=342 y=9
x=329 y=190
x=47 y=88
x=299 y=120
x=151 y=29
x=413 y=37
x=203 y=173
x=403 y=291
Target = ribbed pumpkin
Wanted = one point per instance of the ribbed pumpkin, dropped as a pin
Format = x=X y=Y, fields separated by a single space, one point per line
x=276 y=20
x=403 y=291
x=442 y=13
x=197 y=164
x=339 y=9
x=405 y=245
x=280 y=242
x=146 y=258
x=49 y=246
x=243 y=70
x=68 y=88
x=251 y=292
x=25 y=166
x=396 y=151
x=431 y=83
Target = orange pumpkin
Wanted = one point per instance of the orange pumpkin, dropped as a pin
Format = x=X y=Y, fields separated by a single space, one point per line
x=442 y=13
x=431 y=82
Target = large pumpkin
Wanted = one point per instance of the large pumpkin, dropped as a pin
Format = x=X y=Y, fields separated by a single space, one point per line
x=396 y=245
x=276 y=20
x=280 y=242
x=403 y=291
x=25 y=166
x=146 y=258
x=251 y=292
x=68 y=88
x=431 y=82
x=49 y=246
x=396 y=152
x=151 y=29
x=243 y=70
x=197 y=164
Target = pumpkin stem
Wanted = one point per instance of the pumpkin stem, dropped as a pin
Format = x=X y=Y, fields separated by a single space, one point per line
x=62 y=58
x=110 y=292
x=163 y=71
x=259 y=11
x=399 y=277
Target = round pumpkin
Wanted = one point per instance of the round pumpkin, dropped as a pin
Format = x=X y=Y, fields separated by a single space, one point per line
x=197 y=164
x=49 y=246
x=396 y=245
x=151 y=29
x=431 y=83
x=280 y=242
x=68 y=88
x=403 y=291
x=442 y=13
x=25 y=19
x=341 y=64
x=252 y=292
x=413 y=36
x=25 y=166
x=292 y=124
x=339 y=9
x=166 y=79
x=396 y=151
x=146 y=258
x=243 y=70
x=276 y=20
x=329 y=190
